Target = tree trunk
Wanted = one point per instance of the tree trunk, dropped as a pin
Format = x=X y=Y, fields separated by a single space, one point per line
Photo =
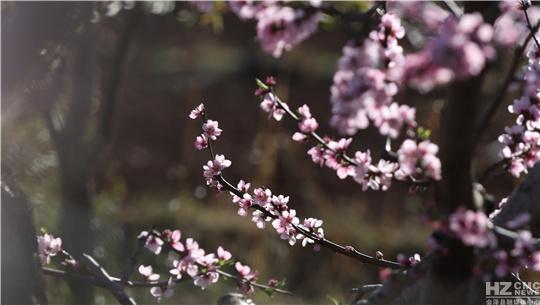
x=21 y=274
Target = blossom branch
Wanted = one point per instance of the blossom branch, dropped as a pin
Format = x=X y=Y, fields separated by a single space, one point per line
x=254 y=284
x=345 y=163
x=499 y=97
x=240 y=279
x=215 y=178
x=344 y=250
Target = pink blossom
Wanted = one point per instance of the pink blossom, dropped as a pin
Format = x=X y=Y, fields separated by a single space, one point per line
x=197 y=112
x=260 y=219
x=243 y=186
x=48 y=246
x=308 y=125
x=299 y=137
x=214 y=168
x=383 y=175
x=419 y=159
x=304 y=111
x=510 y=28
x=332 y=155
x=460 y=50
x=262 y=196
x=365 y=82
x=313 y=226
x=280 y=28
x=344 y=170
x=163 y=292
x=245 y=271
x=363 y=161
x=211 y=129
x=201 y=142
x=270 y=106
x=244 y=204
x=210 y=275
x=173 y=238
x=189 y=263
x=223 y=254
x=317 y=155
x=279 y=203
x=389 y=30
x=147 y=273
x=428 y=16
x=245 y=9
x=471 y=227
x=390 y=119
x=284 y=225
x=522 y=141
x=524 y=243
x=153 y=243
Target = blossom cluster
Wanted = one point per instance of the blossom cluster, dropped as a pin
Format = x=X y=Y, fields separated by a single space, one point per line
x=522 y=140
x=367 y=80
x=427 y=16
x=460 y=50
x=473 y=228
x=48 y=246
x=510 y=28
x=417 y=160
x=202 y=267
x=279 y=27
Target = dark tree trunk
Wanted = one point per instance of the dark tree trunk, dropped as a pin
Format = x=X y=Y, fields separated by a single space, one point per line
x=21 y=275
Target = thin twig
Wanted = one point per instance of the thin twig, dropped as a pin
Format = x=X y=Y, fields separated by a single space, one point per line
x=531 y=291
x=533 y=30
x=487 y=172
x=72 y=276
x=511 y=235
x=254 y=284
x=133 y=260
x=348 y=251
x=102 y=275
x=454 y=8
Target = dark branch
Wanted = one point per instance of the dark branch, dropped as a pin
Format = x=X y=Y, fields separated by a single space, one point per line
x=108 y=282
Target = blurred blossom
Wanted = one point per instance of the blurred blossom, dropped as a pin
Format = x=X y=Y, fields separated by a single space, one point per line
x=460 y=50
x=48 y=246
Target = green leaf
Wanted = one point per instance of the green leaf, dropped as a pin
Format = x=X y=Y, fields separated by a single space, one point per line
x=423 y=133
x=261 y=84
x=333 y=300
x=269 y=292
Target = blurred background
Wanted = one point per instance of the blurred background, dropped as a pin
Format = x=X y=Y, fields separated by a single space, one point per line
x=95 y=131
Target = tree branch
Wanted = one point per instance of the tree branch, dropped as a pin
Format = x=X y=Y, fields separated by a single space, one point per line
x=524 y=199
x=344 y=250
x=108 y=282
x=133 y=260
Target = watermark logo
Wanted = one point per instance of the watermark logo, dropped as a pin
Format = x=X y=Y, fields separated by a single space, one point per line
x=512 y=293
